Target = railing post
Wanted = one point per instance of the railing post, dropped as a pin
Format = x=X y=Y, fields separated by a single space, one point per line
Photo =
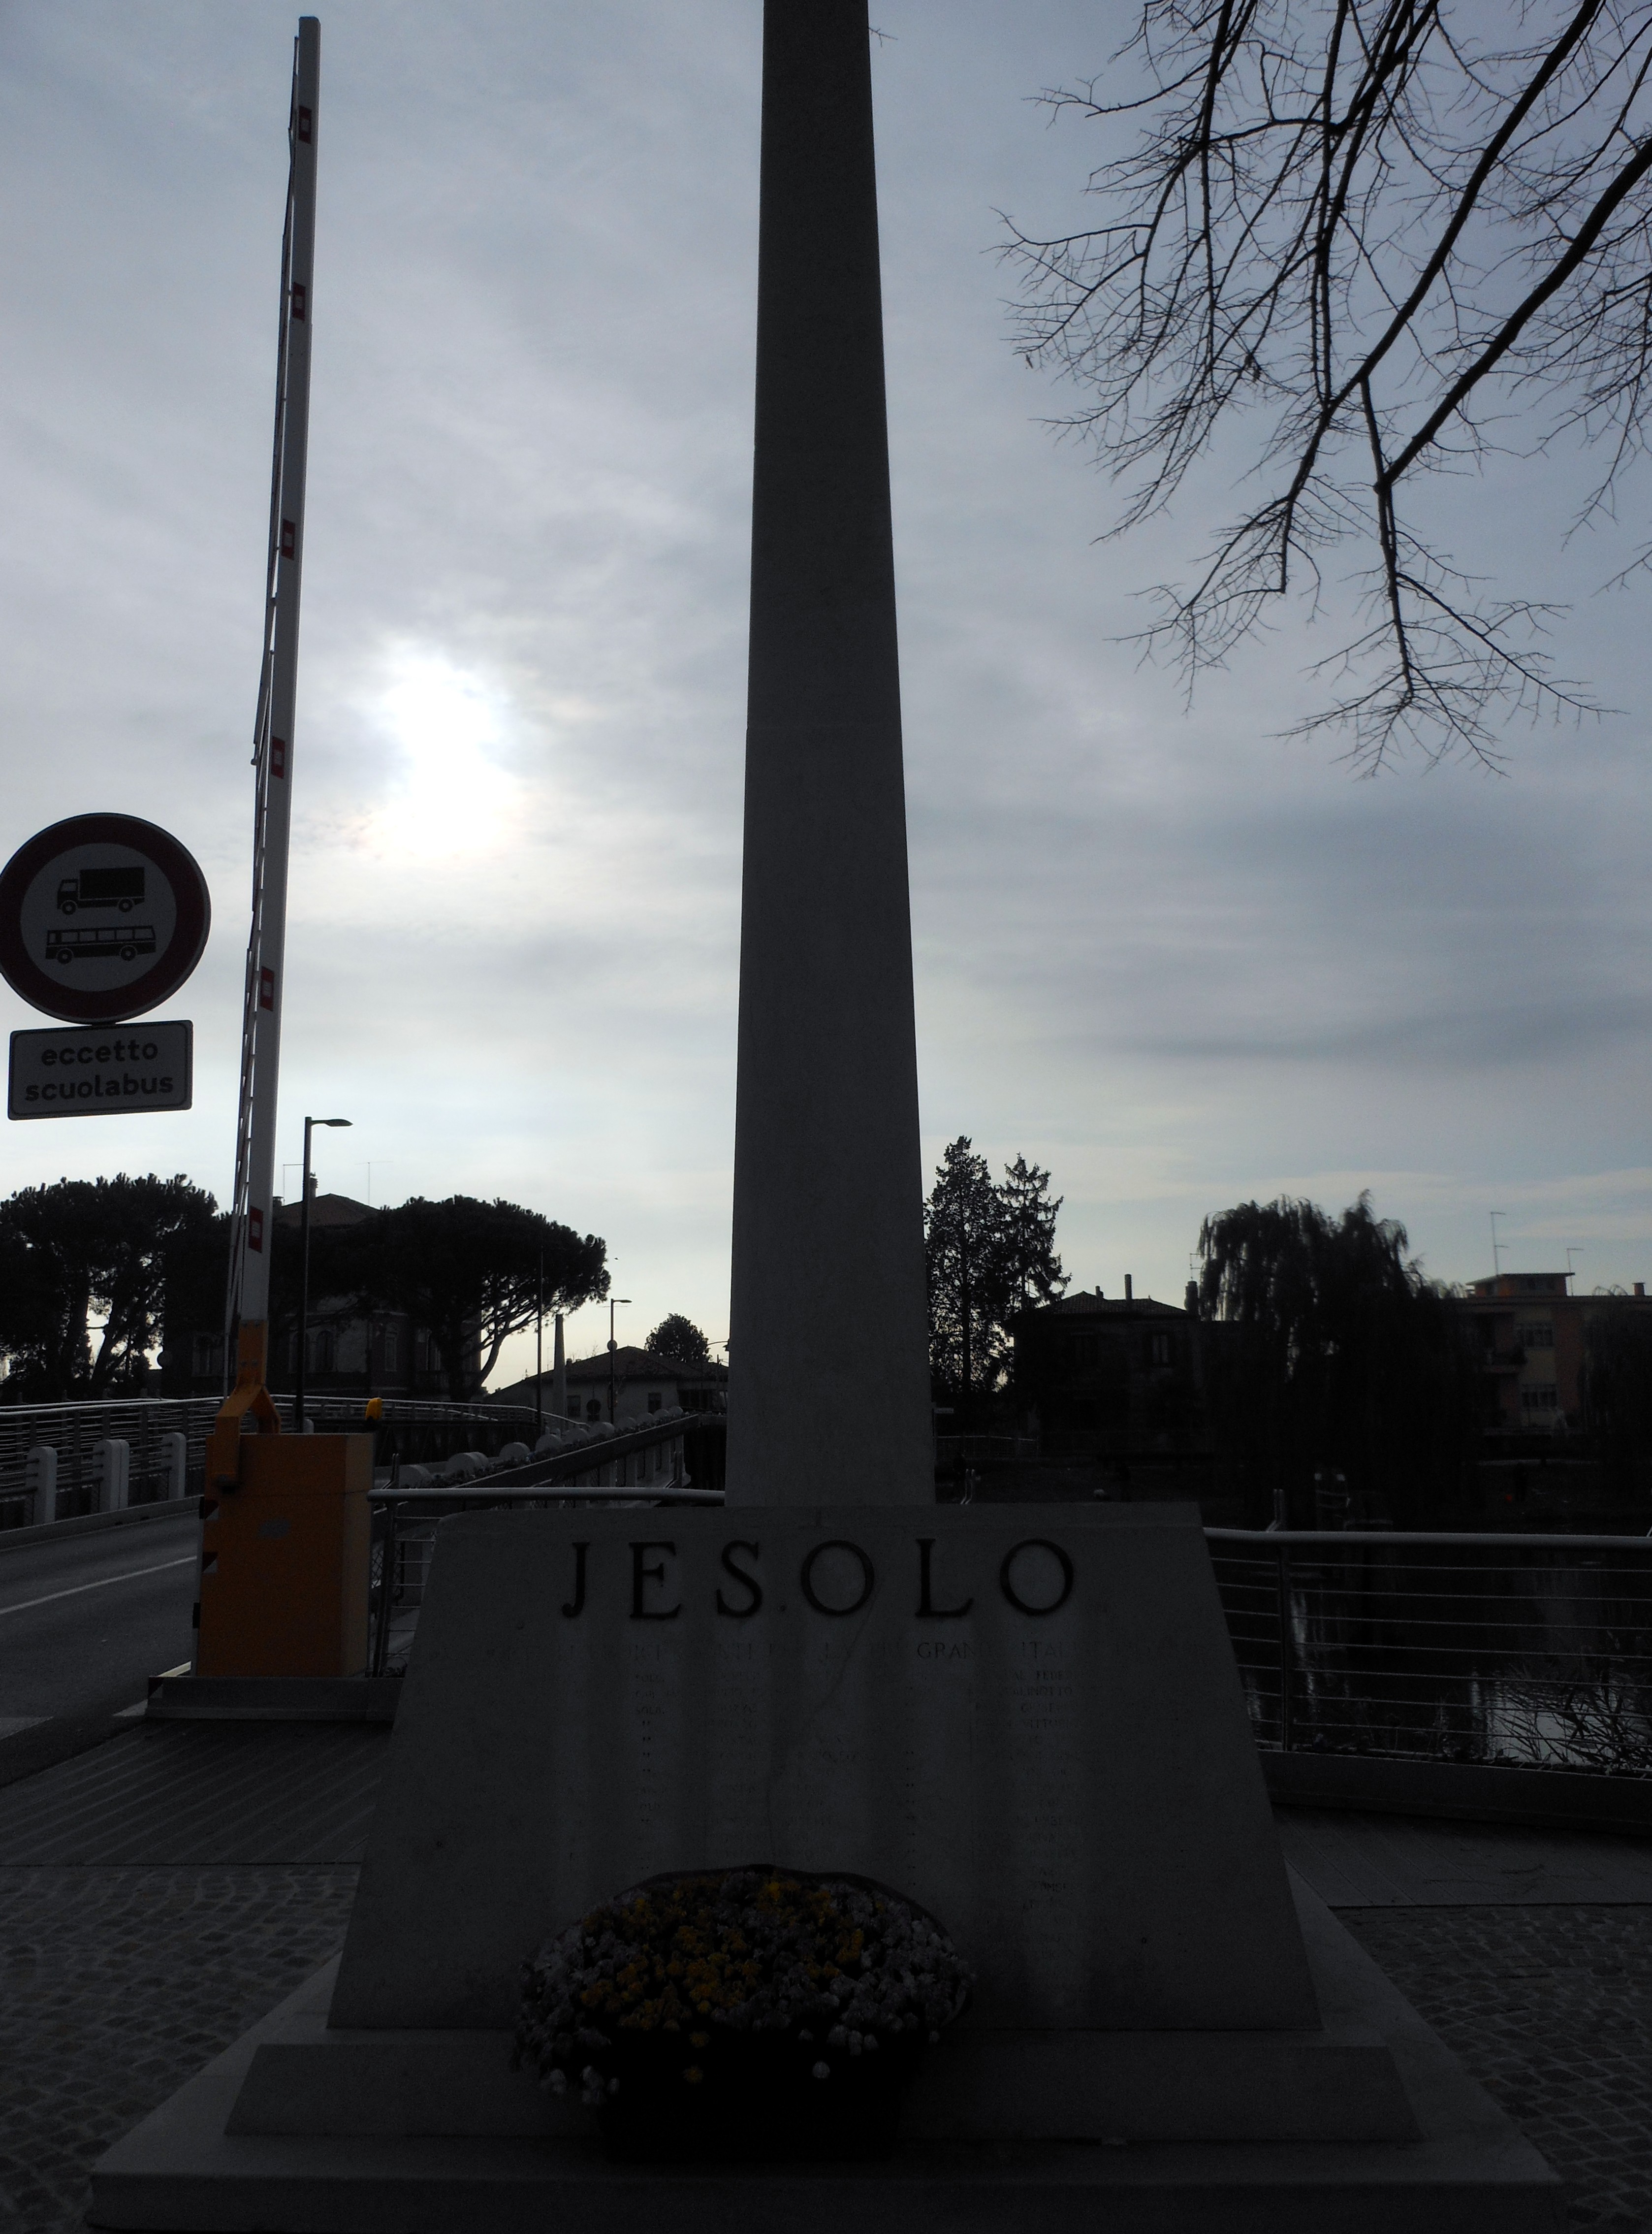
x=112 y=1471
x=39 y=1479
x=174 y=1464
x=387 y=1513
x=1287 y=1649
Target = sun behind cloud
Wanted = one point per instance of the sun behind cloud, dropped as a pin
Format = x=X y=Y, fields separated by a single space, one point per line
x=448 y=792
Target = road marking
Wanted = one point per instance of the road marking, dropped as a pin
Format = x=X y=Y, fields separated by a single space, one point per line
x=132 y=1575
x=10 y=1725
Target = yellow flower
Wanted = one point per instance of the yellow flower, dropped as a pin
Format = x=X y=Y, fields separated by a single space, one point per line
x=694 y=2075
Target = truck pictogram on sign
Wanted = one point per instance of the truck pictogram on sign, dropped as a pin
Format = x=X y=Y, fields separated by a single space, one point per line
x=100 y=888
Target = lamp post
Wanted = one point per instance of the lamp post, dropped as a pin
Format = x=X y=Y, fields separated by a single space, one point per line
x=612 y=1378
x=311 y=1124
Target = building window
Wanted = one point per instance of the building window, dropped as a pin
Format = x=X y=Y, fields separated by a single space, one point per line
x=1535 y=1336
x=1159 y=1349
x=654 y=1400
x=321 y=1349
x=209 y=1354
x=389 y=1349
x=1538 y=1400
x=593 y=1408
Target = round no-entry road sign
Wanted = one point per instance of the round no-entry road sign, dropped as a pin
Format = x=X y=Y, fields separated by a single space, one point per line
x=102 y=918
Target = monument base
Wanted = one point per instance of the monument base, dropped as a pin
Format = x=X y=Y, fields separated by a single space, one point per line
x=355 y=2134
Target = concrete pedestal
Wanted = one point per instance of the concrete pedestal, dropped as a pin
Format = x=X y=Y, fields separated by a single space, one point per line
x=1027 y=1719
x=301 y=2129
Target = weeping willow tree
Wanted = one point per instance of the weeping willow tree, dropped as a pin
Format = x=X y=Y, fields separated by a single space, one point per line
x=1332 y=1351
x=1617 y=1391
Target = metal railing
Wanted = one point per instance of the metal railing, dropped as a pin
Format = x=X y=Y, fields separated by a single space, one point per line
x=1533 y=1651
x=412 y=1430
x=642 y=1467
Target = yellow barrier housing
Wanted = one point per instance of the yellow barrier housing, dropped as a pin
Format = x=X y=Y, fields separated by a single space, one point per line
x=284 y=1559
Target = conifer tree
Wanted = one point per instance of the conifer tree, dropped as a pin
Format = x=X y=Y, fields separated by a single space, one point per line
x=991 y=1253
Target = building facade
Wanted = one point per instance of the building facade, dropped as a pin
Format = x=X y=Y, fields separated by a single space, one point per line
x=641 y=1382
x=1110 y=1377
x=1530 y=1334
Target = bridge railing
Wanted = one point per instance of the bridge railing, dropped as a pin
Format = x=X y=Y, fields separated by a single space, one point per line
x=646 y=1464
x=413 y=1430
x=1533 y=1651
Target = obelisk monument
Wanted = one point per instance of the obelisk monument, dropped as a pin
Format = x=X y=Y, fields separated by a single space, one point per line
x=829 y=1398
x=1026 y=1718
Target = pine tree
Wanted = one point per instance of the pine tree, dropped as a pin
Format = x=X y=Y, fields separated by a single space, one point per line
x=962 y=1228
x=1028 y=1216
x=84 y=1247
x=679 y=1339
x=992 y=1252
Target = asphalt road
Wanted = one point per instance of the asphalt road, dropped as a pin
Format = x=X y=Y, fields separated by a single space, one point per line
x=83 y=1624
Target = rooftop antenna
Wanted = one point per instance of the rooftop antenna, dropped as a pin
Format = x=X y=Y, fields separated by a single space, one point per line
x=247 y=1300
x=1571 y=1270
x=1496 y=1246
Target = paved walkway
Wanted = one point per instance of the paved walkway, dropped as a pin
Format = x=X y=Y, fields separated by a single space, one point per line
x=161 y=1892
x=1394 y=1861
x=116 y=1984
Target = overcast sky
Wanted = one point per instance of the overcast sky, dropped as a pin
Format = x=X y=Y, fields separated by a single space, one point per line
x=1175 y=959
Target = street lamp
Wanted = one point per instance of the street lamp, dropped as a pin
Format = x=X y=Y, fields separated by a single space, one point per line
x=612 y=1300
x=304 y=1274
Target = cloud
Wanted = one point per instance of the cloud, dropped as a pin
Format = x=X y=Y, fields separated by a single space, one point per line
x=1178 y=961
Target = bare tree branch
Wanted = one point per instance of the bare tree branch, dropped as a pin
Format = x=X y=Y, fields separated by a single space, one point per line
x=1390 y=233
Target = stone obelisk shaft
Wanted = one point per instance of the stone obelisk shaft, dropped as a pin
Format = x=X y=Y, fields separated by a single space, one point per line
x=829 y=1398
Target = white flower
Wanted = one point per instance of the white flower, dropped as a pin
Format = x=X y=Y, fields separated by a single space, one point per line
x=823 y=2071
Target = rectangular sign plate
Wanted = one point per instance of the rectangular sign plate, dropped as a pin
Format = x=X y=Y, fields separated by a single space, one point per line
x=101 y=1070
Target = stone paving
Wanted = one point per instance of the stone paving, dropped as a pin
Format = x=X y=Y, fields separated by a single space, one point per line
x=1551 y=2009
x=116 y=1984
